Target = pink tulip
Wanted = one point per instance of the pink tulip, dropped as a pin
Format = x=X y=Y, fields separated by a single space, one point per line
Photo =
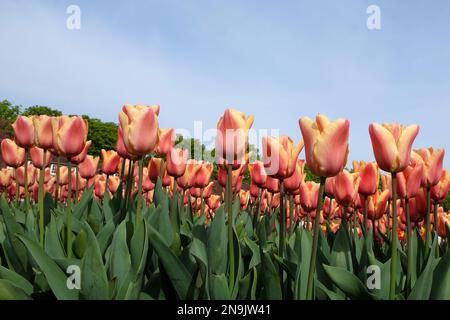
x=6 y=176
x=187 y=179
x=154 y=169
x=21 y=175
x=346 y=188
x=110 y=161
x=24 y=131
x=79 y=158
x=280 y=156
x=292 y=184
x=203 y=174
x=12 y=154
x=88 y=168
x=369 y=177
x=176 y=162
x=309 y=194
x=43 y=132
x=440 y=190
x=272 y=184
x=326 y=144
x=392 y=144
x=167 y=139
x=113 y=183
x=37 y=157
x=258 y=174
x=69 y=135
x=139 y=129
x=432 y=161
x=408 y=181
x=232 y=138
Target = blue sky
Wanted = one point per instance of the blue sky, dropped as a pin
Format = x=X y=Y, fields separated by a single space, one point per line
x=277 y=60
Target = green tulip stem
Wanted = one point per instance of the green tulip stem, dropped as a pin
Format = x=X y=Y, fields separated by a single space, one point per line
x=77 y=186
x=258 y=210
x=25 y=174
x=57 y=181
x=427 y=223
x=139 y=195
x=291 y=214
x=69 y=213
x=16 y=172
x=436 y=225
x=229 y=207
x=41 y=199
x=409 y=248
x=317 y=229
x=282 y=221
x=174 y=208
x=365 y=216
x=330 y=208
x=394 y=253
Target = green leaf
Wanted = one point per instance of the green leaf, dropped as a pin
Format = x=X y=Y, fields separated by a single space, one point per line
x=341 y=255
x=422 y=287
x=218 y=244
x=440 y=289
x=160 y=220
x=8 y=291
x=119 y=258
x=16 y=279
x=56 y=278
x=348 y=283
x=53 y=243
x=79 y=209
x=271 y=278
x=94 y=283
x=179 y=276
x=218 y=286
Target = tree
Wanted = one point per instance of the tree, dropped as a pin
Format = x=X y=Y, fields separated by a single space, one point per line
x=8 y=114
x=102 y=134
x=41 y=110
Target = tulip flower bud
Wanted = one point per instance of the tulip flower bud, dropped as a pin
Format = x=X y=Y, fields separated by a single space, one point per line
x=139 y=129
x=110 y=161
x=187 y=179
x=440 y=190
x=113 y=183
x=272 y=184
x=43 y=132
x=69 y=135
x=21 y=175
x=326 y=144
x=79 y=158
x=232 y=138
x=154 y=169
x=37 y=157
x=88 y=168
x=392 y=144
x=12 y=154
x=346 y=186
x=99 y=185
x=6 y=176
x=432 y=161
x=309 y=193
x=258 y=174
x=176 y=162
x=203 y=175
x=166 y=141
x=292 y=184
x=280 y=156
x=369 y=178
x=408 y=181
x=24 y=131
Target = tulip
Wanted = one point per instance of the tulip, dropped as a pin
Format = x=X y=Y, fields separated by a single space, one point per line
x=346 y=188
x=369 y=177
x=231 y=151
x=440 y=190
x=258 y=174
x=418 y=206
x=69 y=135
x=120 y=147
x=166 y=141
x=392 y=144
x=43 y=132
x=113 y=183
x=208 y=190
x=176 y=162
x=326 y=144
x=213 y=202
x=64 y=176
x=292 y=184
x=203 y=174
x=280 y=156
x=6 y=175
x=309 y=193
x=79 y=158
x=329 y=187
x=377 y=205
x=244 y=197
x=110 y=161
x=88 y=168
x=432 y=160
x=21 y=176
x=99 y=185
x=24 y=132
x=187 y=179
x=408 y=181
x=37 y=157
x=139 y=125
x=443 y=220
x=232 y=138
x=326 y=149
x=12 y=154
x=147 y=184
x=154 y=169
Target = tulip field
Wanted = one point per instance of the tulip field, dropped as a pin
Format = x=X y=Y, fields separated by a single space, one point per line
x=147 y=222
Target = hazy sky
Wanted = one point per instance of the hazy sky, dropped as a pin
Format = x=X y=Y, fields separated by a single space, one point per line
x=277 y=60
